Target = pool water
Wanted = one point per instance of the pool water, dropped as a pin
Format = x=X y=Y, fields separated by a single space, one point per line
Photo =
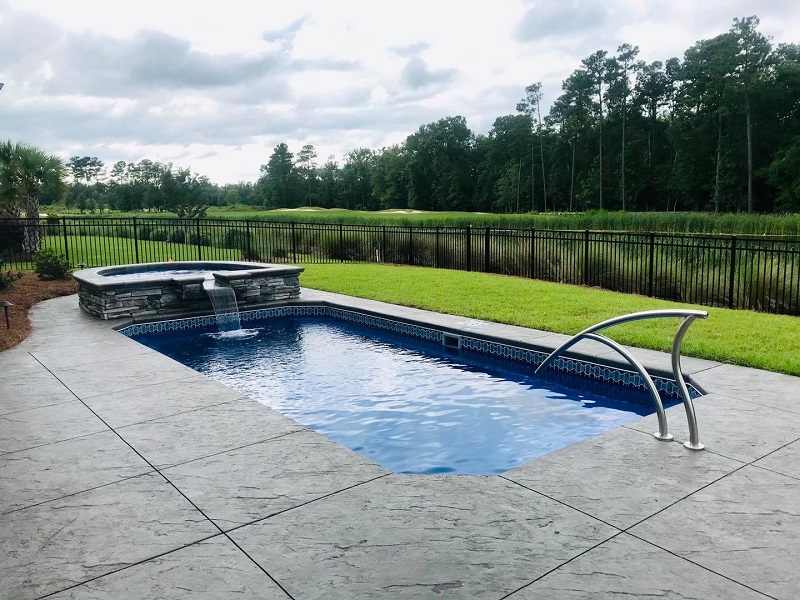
x=159 y=274
x=411 y=406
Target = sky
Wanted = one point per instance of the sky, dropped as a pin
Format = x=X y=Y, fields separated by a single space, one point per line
x=216 y=86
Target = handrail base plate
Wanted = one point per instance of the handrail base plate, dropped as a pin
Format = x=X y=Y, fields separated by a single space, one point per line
x=663 y=438
x=695 y=447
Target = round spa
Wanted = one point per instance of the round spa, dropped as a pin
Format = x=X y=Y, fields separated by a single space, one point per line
x=173 y=288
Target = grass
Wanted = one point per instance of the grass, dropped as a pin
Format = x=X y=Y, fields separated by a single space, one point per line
x=759 y=340
x=738 y=223
x=96 y=251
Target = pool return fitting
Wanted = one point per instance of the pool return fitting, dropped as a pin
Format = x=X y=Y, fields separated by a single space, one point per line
x=688 y=318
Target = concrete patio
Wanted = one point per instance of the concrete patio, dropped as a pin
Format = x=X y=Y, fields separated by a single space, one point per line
x=124 y=474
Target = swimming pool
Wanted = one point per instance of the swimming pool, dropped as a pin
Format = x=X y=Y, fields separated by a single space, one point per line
x=411 y=405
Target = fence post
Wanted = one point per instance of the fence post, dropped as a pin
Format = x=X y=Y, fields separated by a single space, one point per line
x=652 y=263
x=66 y=240
x=586 y=257
x=732 y=279
x=248 y=244
x=469 y=248
x=197 y=233
x=532 y=265
x=294 y=243
x=383 y=245
x=487 y=248
x=135 y=240
x=436 y=255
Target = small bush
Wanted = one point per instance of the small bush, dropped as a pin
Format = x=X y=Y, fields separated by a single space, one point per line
x=200 y=239
x=49 y=265
x=159 y=235
x=53 y=226
x=123 y=232
x=7 y=278
x=236 y=238
x=178 y=236
x=280 y=253
x=251 y=255
x=144 y=232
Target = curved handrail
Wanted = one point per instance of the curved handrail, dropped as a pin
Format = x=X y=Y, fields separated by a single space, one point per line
x=689 y=316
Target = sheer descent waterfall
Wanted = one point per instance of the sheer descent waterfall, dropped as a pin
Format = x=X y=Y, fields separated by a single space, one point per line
x=225 y=308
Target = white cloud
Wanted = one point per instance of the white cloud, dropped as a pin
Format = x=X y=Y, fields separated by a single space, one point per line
x=216 y=86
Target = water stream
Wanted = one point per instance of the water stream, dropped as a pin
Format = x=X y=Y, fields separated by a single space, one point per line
x=223 y=298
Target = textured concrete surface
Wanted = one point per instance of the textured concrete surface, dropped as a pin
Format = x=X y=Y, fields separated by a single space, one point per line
x=413 y=536
x=210 y=570
x=126 y=475
x=239 y=486
x=626 y=567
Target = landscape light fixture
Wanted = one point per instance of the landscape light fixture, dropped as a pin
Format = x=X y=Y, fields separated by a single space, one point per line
x=6 y=304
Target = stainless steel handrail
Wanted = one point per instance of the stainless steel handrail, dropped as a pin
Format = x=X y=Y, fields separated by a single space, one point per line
x=688 y=318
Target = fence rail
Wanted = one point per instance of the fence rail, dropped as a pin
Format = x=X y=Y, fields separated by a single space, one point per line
x=750 y=272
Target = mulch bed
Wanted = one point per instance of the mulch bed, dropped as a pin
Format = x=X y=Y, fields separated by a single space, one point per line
x=23 y=294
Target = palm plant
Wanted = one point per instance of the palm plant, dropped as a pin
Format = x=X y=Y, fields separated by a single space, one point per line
x=25 y=171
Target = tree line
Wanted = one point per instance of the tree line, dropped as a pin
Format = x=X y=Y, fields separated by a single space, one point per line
x=716 y=130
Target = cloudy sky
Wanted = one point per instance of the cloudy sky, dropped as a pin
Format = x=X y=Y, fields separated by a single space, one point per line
x=215 y=86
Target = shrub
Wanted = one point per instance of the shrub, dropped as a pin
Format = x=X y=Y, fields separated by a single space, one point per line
x=280 y=253
x=159 y=235
x=49 y=265
x=144 y=232
x=53 y=226
x=252 y=255
x=236 y=238
x=178 y=236
x=7 y=278
x=345 y=247
x=123 y=232
x=200 y=239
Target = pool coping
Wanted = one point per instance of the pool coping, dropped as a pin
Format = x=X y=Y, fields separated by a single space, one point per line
x=180 y=486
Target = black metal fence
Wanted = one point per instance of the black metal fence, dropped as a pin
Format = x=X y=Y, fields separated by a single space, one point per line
x=751 y=272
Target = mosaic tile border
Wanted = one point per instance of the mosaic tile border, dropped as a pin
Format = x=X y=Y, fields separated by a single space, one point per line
x=621 y=377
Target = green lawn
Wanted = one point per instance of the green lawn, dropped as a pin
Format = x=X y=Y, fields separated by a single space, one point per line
x=746 y=338
x=95 y=251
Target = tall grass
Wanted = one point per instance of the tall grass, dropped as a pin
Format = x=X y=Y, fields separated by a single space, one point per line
x=667 y=222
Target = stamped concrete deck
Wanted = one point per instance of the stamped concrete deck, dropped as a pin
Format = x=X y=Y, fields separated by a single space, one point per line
x=124 y=474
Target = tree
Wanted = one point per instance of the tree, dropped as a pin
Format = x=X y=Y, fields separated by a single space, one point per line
x=571 y=112
x=597 y=67
x=652 y=94
x=706 y=112
x=277 y=177
x=502 y=153
x=753 y=51
x=357 y=178
x=784 y=174
x=620 y=70
x=307 y=168
x=25 y=171
x=531 y=105
x=182 y=193
x=390 y=177
x=440 y=165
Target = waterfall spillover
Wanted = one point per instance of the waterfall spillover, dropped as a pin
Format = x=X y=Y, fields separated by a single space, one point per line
x=225 y=308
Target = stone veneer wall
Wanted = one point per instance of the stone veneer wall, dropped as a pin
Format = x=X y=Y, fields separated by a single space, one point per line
x=177 y=296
